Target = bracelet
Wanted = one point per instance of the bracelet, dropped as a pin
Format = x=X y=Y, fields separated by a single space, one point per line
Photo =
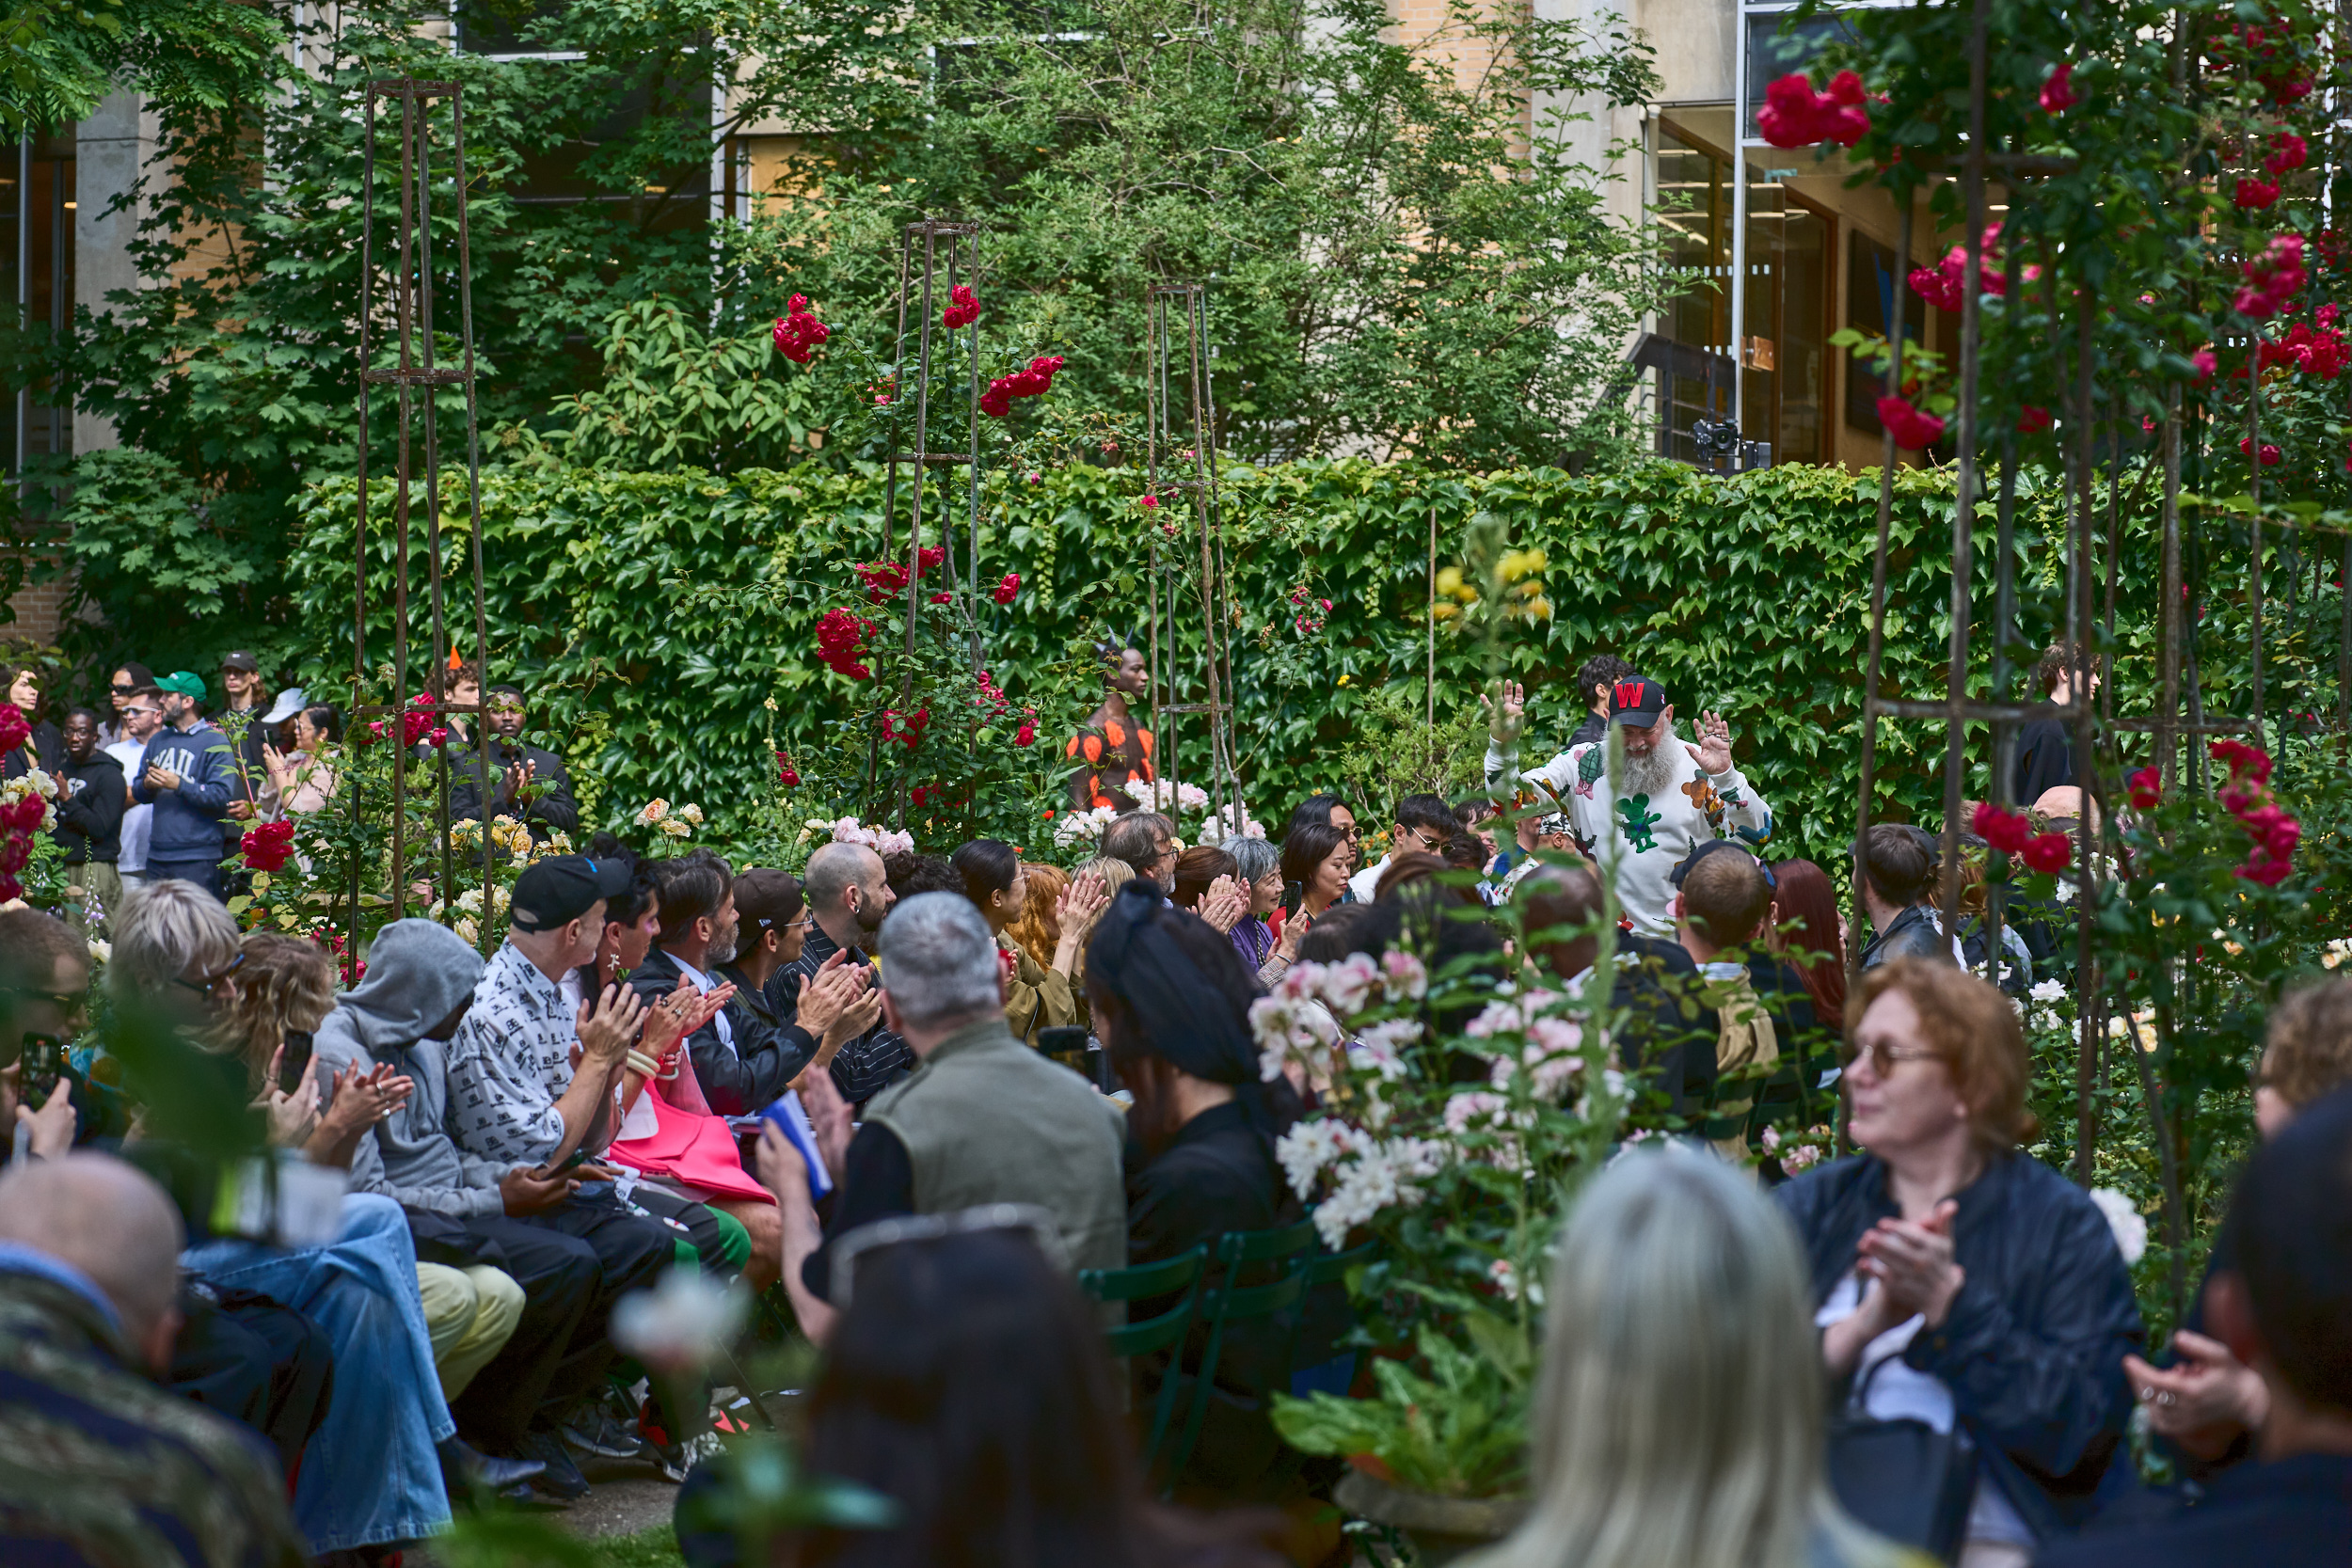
x=645 y=1067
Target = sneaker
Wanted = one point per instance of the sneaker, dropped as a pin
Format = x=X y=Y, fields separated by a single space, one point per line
x=593 y=1431
x=675 y=1459
x=561 y=1478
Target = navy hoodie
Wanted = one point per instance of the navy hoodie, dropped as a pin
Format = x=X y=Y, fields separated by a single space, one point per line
x=187 y=820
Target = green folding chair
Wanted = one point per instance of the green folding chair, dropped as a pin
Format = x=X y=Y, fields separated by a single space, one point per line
x=1230 y=1302
x=1162 y=1331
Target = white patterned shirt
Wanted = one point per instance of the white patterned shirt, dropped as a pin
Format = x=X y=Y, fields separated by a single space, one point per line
x=509 y=1063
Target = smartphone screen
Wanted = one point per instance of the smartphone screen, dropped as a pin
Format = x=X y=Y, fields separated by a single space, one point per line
x=43 y=1064
x=295 y=1061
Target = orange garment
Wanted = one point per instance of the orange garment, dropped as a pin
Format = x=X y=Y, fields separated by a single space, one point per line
x=1106 y=752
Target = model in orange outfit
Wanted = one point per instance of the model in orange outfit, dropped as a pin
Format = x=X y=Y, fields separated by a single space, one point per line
x=1113 y=747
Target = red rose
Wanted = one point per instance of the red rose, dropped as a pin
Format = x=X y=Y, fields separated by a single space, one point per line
x=1026 y=734
x=1006 y=589
x=1148 y=501
x=2058 y=91
x=2287 y=151
x=2253 y=194
x=2032 y=419
x=2050 y=852
x=2005 y=831
x=784 y=775
x=1913 y=429
x=14 y=731
x=2147 y=788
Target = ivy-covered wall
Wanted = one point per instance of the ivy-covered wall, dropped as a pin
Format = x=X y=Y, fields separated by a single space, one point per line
x=652 y=615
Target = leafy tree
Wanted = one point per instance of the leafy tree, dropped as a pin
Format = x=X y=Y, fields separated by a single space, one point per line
x=1401 y=259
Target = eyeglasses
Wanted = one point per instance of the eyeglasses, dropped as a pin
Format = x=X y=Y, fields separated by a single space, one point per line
x=1884 y=1057
x=212 y=982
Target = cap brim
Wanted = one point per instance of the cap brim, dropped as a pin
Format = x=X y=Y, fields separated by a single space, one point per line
x=1634 y=718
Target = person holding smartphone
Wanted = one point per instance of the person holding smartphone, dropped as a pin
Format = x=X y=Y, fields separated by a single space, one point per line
x=44 y=982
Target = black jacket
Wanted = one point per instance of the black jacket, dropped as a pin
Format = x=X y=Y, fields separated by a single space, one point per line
x=865 y=1067
x=552 y=809
x=89 y=817
x=1910 y=935
x=1669 y=1031
x=2033 y=1347
x=48 y=744
x=2045 y=760
x=2293 y=1513
x=738 y=1080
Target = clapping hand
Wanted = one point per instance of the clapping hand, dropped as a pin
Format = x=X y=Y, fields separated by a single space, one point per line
x=359 y=1098
x=1506 y=711
x=1912 y=1264
x=2205 y=1400
x=608 y=1028
x=1080 y=902
x=1714 y=751
x=1224 y=904
x=680 y=1014
x=835 y=991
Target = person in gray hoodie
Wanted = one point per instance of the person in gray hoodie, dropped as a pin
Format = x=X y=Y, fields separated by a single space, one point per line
x=573 y=1258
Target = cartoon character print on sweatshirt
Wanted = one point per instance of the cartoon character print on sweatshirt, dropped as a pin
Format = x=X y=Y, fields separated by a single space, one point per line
x=1706 y=801
x=1589 y=768
x=1638 y=819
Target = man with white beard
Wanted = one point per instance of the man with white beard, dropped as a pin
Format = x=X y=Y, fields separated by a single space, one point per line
x=1669 y=798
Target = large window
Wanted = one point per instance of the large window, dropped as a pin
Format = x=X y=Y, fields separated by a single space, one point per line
x=1873 y=284
x=1782 y=360
x=36 y=206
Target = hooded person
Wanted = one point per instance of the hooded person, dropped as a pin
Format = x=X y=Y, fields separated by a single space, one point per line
x=572 y=1257
x=1171 y=1001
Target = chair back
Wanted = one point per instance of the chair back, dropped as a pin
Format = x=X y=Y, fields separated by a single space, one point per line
x=1162 y=1331
x=1228 y=1302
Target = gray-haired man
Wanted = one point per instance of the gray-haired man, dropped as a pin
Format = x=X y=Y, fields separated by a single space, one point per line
x=983 y=1120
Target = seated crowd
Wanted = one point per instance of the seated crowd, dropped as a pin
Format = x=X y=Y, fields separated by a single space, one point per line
x=851 y=1085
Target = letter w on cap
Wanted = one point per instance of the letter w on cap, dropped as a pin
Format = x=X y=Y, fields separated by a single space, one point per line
x=1629 y=693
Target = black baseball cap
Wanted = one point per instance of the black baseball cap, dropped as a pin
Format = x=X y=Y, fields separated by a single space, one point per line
x=766 y=899
x=1637 y=701
x=243 y=660
x=557 y=890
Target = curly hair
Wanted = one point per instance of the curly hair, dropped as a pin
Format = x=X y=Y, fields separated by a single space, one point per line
x=284 y=983
x=2308 y=1047
x=1974 y=1031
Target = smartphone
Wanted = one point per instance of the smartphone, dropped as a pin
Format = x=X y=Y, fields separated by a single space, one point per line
x=295 y=1061
x=1294 y=894
x=1065 y=1043
x=572 y=1162
x=45 y=1063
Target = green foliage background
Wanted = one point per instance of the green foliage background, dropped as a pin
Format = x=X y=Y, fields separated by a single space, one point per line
x=653 y=614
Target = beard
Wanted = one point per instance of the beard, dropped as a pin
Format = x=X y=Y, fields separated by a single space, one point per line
x=1658 y=772
x=722 y=946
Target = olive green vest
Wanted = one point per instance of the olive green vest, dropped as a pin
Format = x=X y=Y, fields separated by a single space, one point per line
x=986 y=1120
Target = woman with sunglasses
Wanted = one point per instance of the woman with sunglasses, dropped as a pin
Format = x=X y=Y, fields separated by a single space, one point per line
x=1957 y=1279
x=128 y=682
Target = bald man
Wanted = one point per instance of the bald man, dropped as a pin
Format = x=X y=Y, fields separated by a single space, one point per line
x=88 y=1277
x=848 y=897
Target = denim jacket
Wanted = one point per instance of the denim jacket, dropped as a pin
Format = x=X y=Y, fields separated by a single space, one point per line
x=2033 y=1346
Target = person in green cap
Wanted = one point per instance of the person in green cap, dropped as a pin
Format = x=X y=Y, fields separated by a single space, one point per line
x=190 y=775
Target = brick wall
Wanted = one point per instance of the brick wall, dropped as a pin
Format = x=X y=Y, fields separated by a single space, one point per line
x=39 y=612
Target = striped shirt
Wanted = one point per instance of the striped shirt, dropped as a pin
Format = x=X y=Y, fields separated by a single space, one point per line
x=873 y=1061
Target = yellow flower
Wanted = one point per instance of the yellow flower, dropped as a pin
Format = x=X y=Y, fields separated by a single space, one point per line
x=1450 y=582
x=1444 y=611
x=692 y=814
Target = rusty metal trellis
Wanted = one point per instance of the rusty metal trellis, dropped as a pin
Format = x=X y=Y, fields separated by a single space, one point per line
x=946 y=254
x=1179 y=421
x=415 y=369
x=2084 y=632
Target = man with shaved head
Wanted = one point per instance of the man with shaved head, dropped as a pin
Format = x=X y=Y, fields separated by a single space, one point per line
x=848 y=896
x=88 y=1276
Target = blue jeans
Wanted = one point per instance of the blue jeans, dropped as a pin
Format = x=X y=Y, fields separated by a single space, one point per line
x=370 y=1476
x=204 y=874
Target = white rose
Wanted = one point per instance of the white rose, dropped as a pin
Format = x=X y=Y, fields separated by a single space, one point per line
x=2129 y=1226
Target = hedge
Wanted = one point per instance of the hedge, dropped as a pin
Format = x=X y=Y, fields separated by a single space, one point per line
x=652 y=615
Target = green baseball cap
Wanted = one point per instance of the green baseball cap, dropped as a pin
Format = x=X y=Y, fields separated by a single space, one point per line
x=187 y=683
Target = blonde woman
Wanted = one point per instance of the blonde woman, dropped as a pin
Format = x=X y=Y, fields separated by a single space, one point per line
x=1678 y=1412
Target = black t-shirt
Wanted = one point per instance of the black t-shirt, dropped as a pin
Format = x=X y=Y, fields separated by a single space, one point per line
x=2045 y=760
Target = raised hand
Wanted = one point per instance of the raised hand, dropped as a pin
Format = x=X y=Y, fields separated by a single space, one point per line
x=1714 y=751
x=1506 y=711
x=1081 y=901
x=1914 y=1263
x=607 y=1032
x=832 y=992
x=1224 y=904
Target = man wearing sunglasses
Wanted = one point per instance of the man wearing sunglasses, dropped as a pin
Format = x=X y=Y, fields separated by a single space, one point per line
x=44 y=982
x=140 y=718
x=190 y=775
